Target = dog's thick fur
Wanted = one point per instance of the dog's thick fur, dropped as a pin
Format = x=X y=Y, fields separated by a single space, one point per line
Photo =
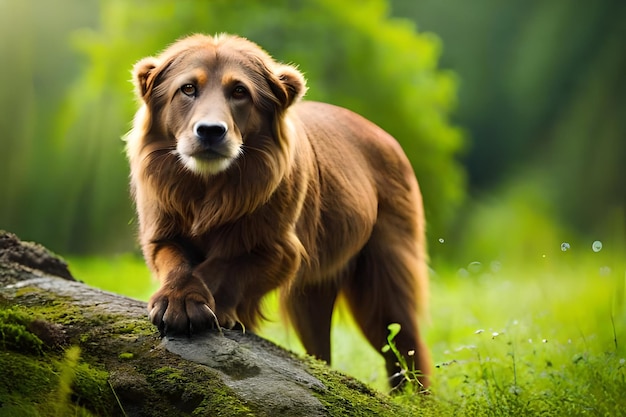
x=241 y=189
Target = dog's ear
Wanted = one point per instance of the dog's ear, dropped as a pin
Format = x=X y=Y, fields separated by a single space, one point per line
x=143 y=76
x=293 y=83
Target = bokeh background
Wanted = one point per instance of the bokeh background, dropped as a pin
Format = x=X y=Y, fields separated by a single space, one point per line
x=512 y=113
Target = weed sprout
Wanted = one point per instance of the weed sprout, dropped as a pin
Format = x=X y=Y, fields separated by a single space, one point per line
x=410 y=374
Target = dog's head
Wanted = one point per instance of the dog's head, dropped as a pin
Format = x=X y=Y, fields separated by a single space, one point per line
x=206 y=97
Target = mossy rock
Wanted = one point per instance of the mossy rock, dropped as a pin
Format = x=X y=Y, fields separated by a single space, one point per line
x=69 y=349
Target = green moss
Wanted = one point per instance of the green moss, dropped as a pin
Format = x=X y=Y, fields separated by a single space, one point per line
x=29 y=386
x=91 y=389
x=133 y=327
x=22 y=410
x=58 y=311
x=167 y=373
x=346 y=396
x=25 y=291
x=222 y=403
x=126 y=356
x=44 y=384
x=209 y=398
x=25 y=380
x=14 y=333
x=79 y=387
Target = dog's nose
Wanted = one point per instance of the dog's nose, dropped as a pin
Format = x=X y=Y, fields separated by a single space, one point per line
x=210 y=133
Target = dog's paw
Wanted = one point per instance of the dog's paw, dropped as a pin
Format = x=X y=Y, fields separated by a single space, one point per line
x=181 y=312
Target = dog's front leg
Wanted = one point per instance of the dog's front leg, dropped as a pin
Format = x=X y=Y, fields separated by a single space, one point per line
x=183 y=303
x=239 y=282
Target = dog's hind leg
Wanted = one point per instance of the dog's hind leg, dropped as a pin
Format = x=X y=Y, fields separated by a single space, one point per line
x=310 y=310
x=388 y=287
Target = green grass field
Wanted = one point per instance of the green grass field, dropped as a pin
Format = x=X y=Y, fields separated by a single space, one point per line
x=546 y=340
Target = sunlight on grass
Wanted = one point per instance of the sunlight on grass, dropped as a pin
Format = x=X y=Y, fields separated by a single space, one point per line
x=545 y=341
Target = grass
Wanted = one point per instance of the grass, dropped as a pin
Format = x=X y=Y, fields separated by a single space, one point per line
x=125 y=274
x=545 y=340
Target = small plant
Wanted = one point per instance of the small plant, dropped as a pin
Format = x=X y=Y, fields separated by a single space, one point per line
x=62 y=396
x=80 y=388
x=408 y=372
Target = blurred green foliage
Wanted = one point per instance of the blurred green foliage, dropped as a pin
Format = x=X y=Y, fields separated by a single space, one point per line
x=539 y=86
x=543 y=95
x=351 y=52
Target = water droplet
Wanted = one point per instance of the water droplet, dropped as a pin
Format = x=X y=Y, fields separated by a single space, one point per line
x=495 y=266
x=462 y=273
x=545 y=340
x=605 y=271
x=596 y=246
x=441 y=240
x=494 y=335
x=565 y=246
x=474 y=267
x=479 y=331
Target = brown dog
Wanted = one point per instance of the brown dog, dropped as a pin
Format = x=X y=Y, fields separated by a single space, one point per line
x=241 y=189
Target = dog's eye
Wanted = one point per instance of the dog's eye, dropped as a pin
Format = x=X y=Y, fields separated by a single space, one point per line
x=239 y=92
x=188 y=90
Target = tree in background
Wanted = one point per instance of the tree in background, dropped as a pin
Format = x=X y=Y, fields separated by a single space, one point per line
x=351 y=52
